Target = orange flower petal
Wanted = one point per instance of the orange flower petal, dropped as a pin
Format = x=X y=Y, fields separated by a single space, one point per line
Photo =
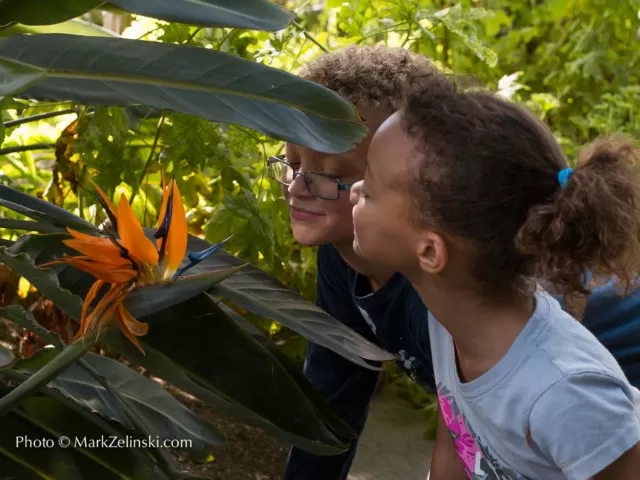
x=136 y=327
x=108 y=313
x=132 y=237
x=128 y=334
x=101 y=249
x=177 y=237
x=88 y=323
x=93 y=291
x=105 y=272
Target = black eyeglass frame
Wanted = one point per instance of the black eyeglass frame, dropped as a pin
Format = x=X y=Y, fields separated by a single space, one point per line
x=307 y=176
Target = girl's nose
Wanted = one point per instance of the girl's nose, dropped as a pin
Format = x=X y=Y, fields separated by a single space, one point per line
x=354 y=196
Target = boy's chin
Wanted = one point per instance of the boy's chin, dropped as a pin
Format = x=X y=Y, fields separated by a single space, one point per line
x=313 y=237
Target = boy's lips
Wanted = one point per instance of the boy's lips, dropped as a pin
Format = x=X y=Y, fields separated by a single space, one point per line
x=298 y=213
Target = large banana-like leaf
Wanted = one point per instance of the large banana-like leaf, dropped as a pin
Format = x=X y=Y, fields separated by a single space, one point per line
x=37 y=12
x=263 y=295
x=198 y=348
x=100 y=384
x=249 y=14
x=15 y=76
x=38 y=209
x=163 y=415
x=250 y=288
x=52 y=417
x=51 y=370
x=213 y=85
x=226 y=368
x=149 y=299
x=72 y=27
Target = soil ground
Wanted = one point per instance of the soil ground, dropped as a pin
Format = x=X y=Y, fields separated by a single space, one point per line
x=392 y=446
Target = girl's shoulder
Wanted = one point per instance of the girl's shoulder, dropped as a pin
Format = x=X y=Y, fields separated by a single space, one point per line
x=570 y=346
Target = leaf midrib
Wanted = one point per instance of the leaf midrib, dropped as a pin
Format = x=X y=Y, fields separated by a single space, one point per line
x=181 y=85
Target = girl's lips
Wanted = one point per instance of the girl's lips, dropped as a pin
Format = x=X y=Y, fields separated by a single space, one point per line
x=303 y=215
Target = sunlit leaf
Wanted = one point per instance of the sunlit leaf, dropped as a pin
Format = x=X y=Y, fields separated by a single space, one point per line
x=16 y=76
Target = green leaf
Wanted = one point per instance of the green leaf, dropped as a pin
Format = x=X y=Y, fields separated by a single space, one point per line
x=211 y=84
x=162 y=414
x=45 y=417
x=149 y=299
x=28 y=226
x=263 y=295
x=198 y=348
x=47 y=373
x=72 y=27
x=42 y=210
x=45 y=280
x=248 y=14
x=311 y=392
x=85 y=383
x=192 y=346
x=37 y=12
x=16 y=76
x=250 y=288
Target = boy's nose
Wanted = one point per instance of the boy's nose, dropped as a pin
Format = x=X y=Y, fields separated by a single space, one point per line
x=354 y=196
x=297 y=188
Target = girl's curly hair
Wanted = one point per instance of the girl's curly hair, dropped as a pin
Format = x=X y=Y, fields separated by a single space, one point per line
x=489 y=173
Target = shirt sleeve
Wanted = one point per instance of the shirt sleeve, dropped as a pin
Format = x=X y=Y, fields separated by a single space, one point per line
x=347 y=387
x=584 y=422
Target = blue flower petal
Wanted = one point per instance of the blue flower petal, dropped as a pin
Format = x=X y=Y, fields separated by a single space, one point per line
x=197 y=257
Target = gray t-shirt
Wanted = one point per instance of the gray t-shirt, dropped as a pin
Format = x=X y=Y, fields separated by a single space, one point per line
x=556 y=406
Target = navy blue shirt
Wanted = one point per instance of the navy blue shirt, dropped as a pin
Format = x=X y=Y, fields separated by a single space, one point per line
x=396 y=319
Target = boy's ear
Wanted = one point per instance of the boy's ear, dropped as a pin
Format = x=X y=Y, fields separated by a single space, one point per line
x=433 y=255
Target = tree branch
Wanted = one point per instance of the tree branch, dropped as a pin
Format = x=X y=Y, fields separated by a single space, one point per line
x=26 y=148
x=39 y=116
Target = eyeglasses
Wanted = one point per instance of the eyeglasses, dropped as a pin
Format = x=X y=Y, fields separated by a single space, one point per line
x=318 y=184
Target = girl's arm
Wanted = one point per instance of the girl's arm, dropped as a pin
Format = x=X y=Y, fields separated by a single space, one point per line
x=445 y=463
x=627 y=467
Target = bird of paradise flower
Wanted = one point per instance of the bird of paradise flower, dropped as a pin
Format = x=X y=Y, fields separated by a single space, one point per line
x=130 y=261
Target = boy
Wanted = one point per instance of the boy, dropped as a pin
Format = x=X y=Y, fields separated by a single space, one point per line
x=379 y=304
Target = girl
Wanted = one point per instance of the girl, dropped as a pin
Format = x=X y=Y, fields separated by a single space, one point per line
x=469 y=197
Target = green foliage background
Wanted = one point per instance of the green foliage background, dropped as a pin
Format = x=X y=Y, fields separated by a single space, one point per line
x=573 y=62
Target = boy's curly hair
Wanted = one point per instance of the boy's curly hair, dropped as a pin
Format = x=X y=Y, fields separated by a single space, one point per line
x=373 y=77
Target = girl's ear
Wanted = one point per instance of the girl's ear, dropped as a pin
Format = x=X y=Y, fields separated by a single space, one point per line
x=433 y=256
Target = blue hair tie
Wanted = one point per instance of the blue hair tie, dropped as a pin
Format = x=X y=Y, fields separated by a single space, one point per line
x=563 y=176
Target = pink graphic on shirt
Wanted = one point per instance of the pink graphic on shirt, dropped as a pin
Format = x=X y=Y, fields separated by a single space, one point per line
x=466 y=447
